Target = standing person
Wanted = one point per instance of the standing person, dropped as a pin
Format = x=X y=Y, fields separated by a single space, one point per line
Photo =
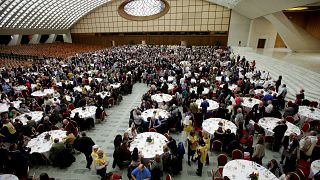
x=85 y=144
x=206 y=139
x=274 y=167
x=101 y=164
x=202 y=156
x=278 y=83
x=291 y=152
x=282 y=95
x=204 y=107
x=279 y=131
x=192 y=146
x=259 y=151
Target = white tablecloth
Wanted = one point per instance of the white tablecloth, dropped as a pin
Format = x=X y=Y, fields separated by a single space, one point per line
x=159 y=112
x=41 y=145
x=8 y=177
x=149 y=150
x=185 y=63
x=4 y=107
x=258 y=91
x=231 y=87
x=218 y=78
x=41 y=93
x=241 y=169
x=115 y=85
x=314 y=168
x=36 y=115
x=246 y=102
x=98 y=79
x=269 y=123
x=20 y=88
x=79 y=88
x=88 y=112
x=305 y=113
x=103 y=94
x=213 y=105
x=205 y=90
x=161 y=97
x=194 y=80
x=211 y=125
x=66 y=82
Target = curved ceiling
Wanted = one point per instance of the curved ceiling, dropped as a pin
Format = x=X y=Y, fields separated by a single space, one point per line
x=44 y=14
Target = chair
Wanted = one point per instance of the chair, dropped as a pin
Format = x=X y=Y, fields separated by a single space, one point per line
x=300 y=173
x=257 y=128
x=222 y=159
x=212 y=175
x=168 y=177
x=237 y=154
x=166 y=135
x=71 y=106
x=217 y=145
x=305 y=127
x=294 y=175
x=304 y=163
x=268 y=139
x=290 y=104
x=290 y=119
x=314 y=104
x=256 y=97
x=247 y=95
x=110 y=102
x=152 y=130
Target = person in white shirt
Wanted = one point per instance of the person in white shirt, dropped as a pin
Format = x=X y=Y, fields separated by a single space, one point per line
x=269 y=107
x=132 y=132
x=307 y=145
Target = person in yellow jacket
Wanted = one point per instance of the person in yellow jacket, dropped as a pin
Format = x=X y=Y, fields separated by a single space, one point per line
x=101 y=163
x=206 y=139
x=187 y=125
x=192 y=146
x=201 y=156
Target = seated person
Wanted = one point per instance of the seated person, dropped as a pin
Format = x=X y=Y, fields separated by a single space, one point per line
x=55 y=149
x=219 y=134
x=140 y=173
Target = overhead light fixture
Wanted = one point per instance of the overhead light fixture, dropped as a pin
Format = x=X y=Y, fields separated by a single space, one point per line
x=297 y=9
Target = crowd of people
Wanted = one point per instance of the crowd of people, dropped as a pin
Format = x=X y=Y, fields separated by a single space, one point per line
x=188 y=75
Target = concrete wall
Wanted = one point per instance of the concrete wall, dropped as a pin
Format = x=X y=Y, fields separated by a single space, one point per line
x=239 y=29
x=261 y=28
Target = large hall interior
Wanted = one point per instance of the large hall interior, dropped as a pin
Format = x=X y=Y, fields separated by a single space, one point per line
x=160 y=89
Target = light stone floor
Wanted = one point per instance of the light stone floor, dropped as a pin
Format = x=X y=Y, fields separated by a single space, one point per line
x=103 y=135
x=295 y=75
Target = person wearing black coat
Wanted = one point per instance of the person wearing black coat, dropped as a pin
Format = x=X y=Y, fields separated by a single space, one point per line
x=279 y=132
x=84 y=144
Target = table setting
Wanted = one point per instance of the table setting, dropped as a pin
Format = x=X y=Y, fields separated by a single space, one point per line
x=212 y=124
x=79 y=88
x=85 y=112
x=269 y=123
x=205 y=90
x=4 y=107
x=249 y=102
x=35 y=115
x=232 y=87
x=149 y=143
x=41 y=93
x=309 y=113
x=213 y=105
x=43 y=142
x=158 y=112
x=103 y=94
x=244 y=169
x=161 y=97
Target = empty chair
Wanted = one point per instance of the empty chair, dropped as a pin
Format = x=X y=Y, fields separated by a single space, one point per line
x=237 y=154
x=222 y=160
x=216 y=145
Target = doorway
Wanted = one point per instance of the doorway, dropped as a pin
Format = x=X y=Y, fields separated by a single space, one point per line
x=261 y=43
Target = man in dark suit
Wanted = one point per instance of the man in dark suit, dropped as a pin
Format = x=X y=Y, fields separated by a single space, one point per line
x=84 y=144
x=279 y=132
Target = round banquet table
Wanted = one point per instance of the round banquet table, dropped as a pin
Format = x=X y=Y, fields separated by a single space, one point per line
x=232 y=87
x=66 y=82
x=88 y=112
x=314 y=168
x=161 y=97
x=115 y=85
x=306 y=113
x=8 y=177
x=246 y=102
x=218 y=78
x=79 y=88
x=269 y=123
x=241 y=169
x=263 y=92
x=213 y=105
x=36 y=116
x=41 y=93
x=211 y=125
x=4 y=107
x=98 y=79
x=194 y=81
x=103 y=94
x=20 y=88
x=159 y=112
x=205 y=90
x=42 y=145
x=149 y=150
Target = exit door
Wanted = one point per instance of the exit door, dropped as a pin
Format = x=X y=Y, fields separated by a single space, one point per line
x=261 y=43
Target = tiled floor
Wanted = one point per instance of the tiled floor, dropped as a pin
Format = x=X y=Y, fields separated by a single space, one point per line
x=103 y=134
